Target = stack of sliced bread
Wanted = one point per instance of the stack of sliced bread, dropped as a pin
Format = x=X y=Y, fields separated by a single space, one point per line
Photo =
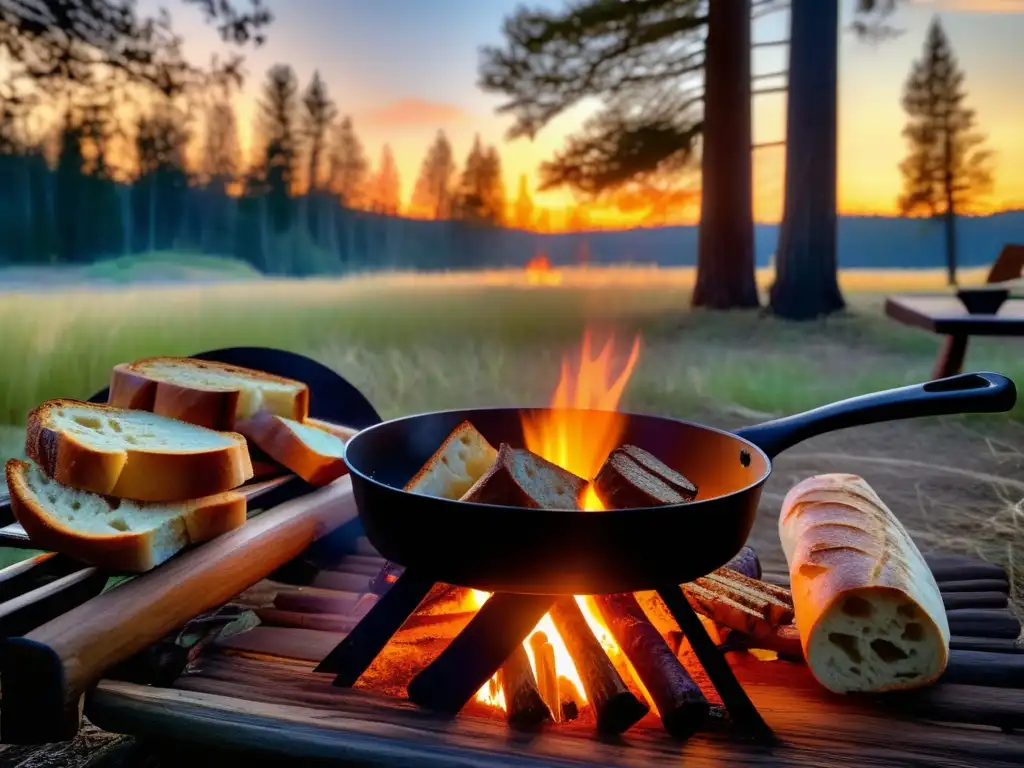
x=126 y=485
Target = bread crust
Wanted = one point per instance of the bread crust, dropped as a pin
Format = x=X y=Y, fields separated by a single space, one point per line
x=139 y=474
x=438 y=465
x=499 y=485
x=209 y=406
x=843 y=544
x=275 y=437
x=131 y=551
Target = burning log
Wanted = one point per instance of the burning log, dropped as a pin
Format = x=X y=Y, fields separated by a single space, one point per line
x=523 y=702
x=547 y=675
x=615 y=707
x=678 y=698
x=569 y=699
x=472 y=658
x=632 y=477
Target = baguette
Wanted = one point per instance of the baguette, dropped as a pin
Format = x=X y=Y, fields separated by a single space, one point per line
x=133 y=454
x=463 y=458
x=868 y=610
x=210 y=394
x=312 y=453
x=113 y=534
x=519 y=478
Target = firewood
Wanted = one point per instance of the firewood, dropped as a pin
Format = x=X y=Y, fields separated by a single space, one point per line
x=747 y=563
x=678 y=698
x=615 y=707
x=547 y=675
x=739 y=610
x=631 y=477
x=776 y=602
x=476 y=653
x=524 y=706
x=569 y=698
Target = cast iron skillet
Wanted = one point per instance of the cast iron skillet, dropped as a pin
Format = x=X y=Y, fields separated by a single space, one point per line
x=508 y=549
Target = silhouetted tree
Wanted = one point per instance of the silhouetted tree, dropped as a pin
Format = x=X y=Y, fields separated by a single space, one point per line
x=806 y=280
x=278 y=127
x=76 y=40
x=320 y=112
x=523 y=209
x=947 y=166
x=219 y=170
x=433 y=191
x=386 y=187
x=480 y=197
x=162 y=183
x=348 y=166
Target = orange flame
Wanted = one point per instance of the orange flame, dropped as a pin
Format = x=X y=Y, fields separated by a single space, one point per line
x=540 y=272
x=579 y=443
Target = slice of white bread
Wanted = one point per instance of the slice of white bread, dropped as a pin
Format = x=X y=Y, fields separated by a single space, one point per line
x=869 y=612
x=110 y=533
x=463 y=458
x=133 y=454
x=206 y=393
x=519 y=478
x=314 y=454
x=335 y=429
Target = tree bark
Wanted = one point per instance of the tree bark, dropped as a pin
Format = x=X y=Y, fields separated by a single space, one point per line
x=806 y=281
x=725 y=240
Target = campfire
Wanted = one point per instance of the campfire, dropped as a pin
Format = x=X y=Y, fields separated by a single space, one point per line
x=540 y=272
x=609 y=659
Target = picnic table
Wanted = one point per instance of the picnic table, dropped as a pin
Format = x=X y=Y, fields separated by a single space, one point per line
x=945 y=315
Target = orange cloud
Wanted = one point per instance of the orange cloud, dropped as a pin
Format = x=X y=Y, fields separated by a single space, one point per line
x=414 y=113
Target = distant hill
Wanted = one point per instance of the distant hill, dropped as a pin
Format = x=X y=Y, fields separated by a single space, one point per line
x=864 y=242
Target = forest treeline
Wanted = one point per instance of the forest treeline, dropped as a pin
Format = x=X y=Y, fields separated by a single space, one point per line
x=90 y=174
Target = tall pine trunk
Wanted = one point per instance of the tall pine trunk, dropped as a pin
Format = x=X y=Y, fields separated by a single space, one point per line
x=950 y=217
x=806 y=281
x=725 y=240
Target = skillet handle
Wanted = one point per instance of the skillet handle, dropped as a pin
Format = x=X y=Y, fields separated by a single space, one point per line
x=965 y=393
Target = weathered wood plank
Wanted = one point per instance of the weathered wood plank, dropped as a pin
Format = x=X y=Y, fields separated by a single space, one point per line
x=982 y=622
x=368 y=729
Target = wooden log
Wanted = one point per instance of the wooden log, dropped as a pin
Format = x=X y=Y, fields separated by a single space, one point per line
x=974 y=585
x=746 y=562
x=678 y=698
x=983 y=622
x=524 y=706
x=615 y=706
x=990 y=644
x=570 y=700
x=999 y=670
x=22 y=614
x=547 y=674
x=315 y=600
x=344 y=582
x=967 y=570
x=958 y=600
x=289 y=642
x=325 y=622
x=476 y=653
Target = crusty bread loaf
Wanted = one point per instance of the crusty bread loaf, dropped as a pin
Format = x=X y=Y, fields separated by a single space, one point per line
x=206 y=393
x=462 y=459
x=868 y=609
x=111 y=533
x=312 y=453
x=519 y=478
x=335 y=429
x=133 y=454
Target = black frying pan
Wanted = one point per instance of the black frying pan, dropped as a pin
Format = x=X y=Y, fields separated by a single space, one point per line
x=509 y=549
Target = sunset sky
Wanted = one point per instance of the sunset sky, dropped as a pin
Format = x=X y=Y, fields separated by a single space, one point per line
x=405 y=68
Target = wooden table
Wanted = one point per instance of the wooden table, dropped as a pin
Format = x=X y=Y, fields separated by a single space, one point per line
x=945 y=315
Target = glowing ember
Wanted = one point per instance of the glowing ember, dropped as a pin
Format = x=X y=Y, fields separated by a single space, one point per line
x=540 y=272
x=578 y=442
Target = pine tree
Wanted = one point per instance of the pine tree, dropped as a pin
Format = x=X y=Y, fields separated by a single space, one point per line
x=278 y=119
x=348 y=167
x=432 y=194
x=480 y=196
x=320 y=112
x=221 y=158
x=523 y=215
x=947 y=166
x=386 y=187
